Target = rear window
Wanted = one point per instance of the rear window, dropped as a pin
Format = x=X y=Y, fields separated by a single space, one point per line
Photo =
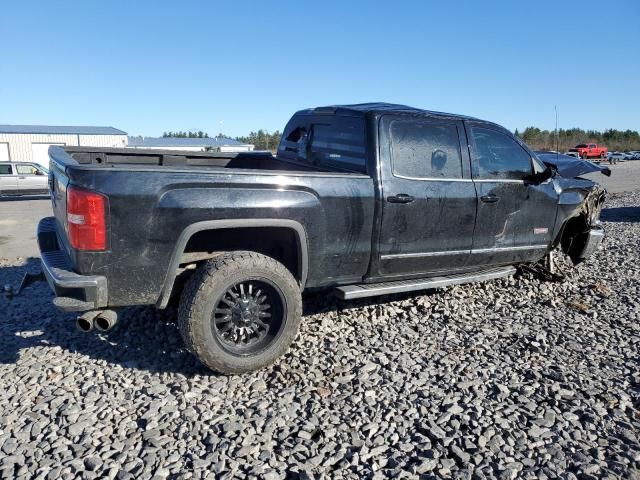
x=5 y=170
x=339 y=143
x=334 y=142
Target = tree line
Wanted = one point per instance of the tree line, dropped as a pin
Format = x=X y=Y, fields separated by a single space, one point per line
x=198 y=134
x=614 y=140
x=262 y=139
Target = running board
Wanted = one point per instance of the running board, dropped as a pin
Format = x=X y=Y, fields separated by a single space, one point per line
x=349 y=292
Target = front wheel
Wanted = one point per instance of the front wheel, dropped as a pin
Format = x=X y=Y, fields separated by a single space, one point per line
x=239 y=312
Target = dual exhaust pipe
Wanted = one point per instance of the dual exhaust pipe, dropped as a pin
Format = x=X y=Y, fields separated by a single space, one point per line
x=101 y=320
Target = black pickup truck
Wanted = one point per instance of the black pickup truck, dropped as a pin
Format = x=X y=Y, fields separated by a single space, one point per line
x=362 y=200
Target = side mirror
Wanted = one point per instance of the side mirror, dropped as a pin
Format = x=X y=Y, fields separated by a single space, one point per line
x=540 y=177
x=39 y=172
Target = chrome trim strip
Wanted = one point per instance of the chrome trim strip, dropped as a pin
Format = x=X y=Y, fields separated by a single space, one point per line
x=498 y=180
x=506 y=249
x=433 y=179
x=477 y=180
x=394 y=256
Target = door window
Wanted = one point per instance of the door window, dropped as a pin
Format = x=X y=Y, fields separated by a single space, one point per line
x=425 y=149
x=498 y=156
x=5 y=170
x=26 y=170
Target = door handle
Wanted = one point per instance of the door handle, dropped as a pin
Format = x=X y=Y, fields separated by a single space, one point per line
x=489 y=198
x=400 y=198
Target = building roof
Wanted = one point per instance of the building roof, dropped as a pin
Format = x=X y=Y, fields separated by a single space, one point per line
x=60 y=130
x=181 y=142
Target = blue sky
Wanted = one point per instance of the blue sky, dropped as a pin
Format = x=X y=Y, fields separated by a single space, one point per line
x=147 y=67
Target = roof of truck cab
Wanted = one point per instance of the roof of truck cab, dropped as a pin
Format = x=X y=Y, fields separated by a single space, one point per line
x=381 y=107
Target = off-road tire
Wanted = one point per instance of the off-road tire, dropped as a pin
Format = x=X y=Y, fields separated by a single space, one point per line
x=202 y=292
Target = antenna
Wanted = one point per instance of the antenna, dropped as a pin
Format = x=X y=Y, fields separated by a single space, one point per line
x=557 y=139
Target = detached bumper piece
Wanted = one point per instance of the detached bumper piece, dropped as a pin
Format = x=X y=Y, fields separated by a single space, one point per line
x=73 y=292
x=592 y=241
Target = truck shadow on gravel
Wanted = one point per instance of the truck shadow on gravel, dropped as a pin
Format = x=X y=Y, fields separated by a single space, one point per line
x=620 y=214
x=144 y=339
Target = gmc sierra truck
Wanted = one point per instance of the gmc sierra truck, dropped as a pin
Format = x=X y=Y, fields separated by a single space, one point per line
x=361 y=200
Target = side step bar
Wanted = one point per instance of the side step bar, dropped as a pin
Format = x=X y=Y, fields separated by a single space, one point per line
x=349 y=292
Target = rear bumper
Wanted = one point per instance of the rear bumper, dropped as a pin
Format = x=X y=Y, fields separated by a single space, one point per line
x=74 y=292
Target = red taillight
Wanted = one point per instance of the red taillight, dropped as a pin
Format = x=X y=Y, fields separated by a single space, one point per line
x=86 y=219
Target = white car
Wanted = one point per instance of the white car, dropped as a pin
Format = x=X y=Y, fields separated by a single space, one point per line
x=618 y=156
x=22 y=178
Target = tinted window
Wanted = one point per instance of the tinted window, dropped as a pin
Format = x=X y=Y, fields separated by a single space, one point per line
x=423 y=149
x=498 y=156
x=339 y=143
x=5 y=169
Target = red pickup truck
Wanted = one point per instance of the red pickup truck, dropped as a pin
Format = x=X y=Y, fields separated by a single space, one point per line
x=590 y=150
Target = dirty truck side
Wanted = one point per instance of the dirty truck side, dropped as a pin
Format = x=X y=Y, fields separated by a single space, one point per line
x=361 y=200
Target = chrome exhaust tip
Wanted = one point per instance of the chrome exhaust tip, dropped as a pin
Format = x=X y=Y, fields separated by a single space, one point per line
x=105 y=320
x=85 y=322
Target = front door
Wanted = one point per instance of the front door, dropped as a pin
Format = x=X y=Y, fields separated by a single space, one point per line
x=429 y=201
x=31 y=180
x=515 y=217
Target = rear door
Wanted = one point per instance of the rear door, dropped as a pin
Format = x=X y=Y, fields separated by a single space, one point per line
x=515 y=218
x=31 y=179
x=8 y=181
x=429 y=200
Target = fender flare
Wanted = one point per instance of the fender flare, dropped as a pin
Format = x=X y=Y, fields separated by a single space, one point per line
x=189 y=231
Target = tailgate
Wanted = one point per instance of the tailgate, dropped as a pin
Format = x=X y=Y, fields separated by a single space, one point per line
x=58 y=182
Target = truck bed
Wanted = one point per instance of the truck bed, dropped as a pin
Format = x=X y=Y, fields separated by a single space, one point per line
x=176 y=158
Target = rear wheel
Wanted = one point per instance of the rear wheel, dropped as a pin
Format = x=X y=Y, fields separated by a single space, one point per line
x=585 y=156
x=239 y=312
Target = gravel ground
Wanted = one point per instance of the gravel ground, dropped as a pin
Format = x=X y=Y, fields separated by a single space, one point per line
x=516 y=378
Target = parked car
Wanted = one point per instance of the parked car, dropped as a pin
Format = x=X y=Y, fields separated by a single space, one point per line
x=589 y=150
x=618 y=157
x=23 y=178
x=634 y=155
x=360 y=200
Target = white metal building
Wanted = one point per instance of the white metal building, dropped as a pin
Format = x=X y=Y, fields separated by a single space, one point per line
x=30 y=143
x=190 y=144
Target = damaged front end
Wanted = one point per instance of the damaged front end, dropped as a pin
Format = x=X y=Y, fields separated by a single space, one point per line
x=579 y=229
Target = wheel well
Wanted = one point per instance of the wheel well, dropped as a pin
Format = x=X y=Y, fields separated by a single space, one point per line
x=572 y=234
x=280 y=243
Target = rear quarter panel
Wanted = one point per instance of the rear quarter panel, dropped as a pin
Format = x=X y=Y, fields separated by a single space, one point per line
x=149 y=209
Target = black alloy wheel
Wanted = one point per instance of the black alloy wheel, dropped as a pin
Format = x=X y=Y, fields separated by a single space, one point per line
x=248 y=316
